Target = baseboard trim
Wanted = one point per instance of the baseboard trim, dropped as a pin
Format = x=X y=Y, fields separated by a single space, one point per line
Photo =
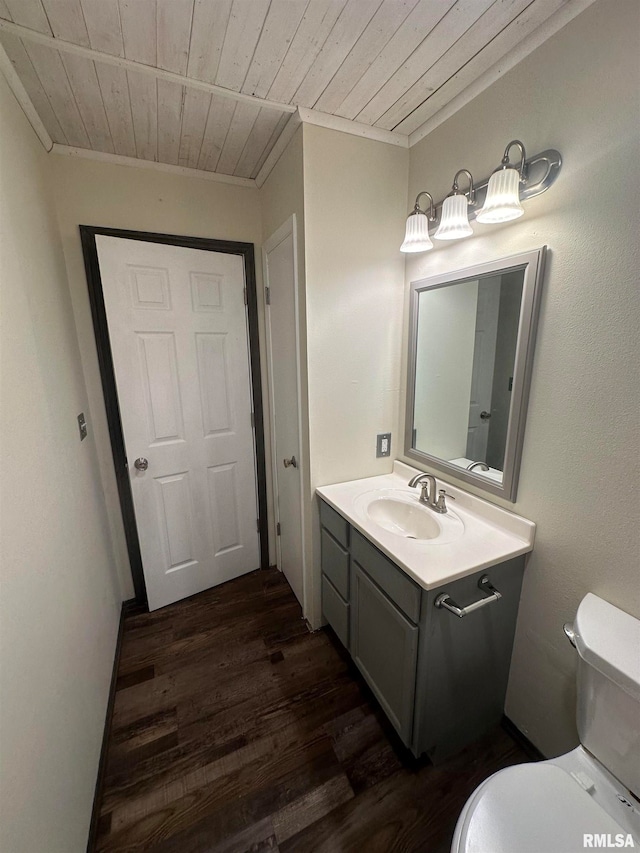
x=522 y=740
x=128 y=608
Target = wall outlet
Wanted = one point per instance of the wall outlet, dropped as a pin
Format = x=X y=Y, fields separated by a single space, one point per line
x=82 y=426
x=383 y=444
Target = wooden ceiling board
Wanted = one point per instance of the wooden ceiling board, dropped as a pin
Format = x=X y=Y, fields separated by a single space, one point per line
x=279 y=28
x=173 y=25
x=528 y=20
x=171 y=97
x=207 y=37
x=84 y=84
x=194 y=122
x=243 y=32
x=243 y=120
x=352 y=22
x=24 y=67
x=444 y=35
x=257 y=142
x=422 y=19
x=315 y=26
x=218 y=123
x=29 y=13
x=102 y=20
x=486 y=28
x=66 y=20
x=53 y=79
x=388 y=18
x=138 y=22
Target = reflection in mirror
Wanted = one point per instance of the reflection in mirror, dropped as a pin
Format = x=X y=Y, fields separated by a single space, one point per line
x=470 y=359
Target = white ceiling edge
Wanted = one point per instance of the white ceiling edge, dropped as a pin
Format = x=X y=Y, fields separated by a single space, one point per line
x=529 y=43
x=355 y=128
x=135 y=162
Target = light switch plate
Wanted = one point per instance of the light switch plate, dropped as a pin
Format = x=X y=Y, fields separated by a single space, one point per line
x=383 y=444
x=82 y=426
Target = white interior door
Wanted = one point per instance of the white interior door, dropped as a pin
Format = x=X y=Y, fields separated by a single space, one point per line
x=280 y=274
x=484 y=355
x=178 y=331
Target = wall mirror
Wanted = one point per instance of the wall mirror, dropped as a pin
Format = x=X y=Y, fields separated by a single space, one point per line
x=471 y=339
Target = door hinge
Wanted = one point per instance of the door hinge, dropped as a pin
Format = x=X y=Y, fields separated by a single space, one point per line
x=278 y=528
x=267 y=295
x=246 y=298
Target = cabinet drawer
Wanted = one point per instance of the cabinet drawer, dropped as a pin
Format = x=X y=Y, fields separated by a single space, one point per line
x=404 y=593
x=335 y=563
x=384 y=645
x=336 y=611
x=335 y=523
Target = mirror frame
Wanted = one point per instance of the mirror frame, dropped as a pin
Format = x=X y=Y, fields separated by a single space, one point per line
x=533 y=263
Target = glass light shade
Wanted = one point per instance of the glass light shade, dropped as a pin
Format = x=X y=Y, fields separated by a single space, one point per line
x=503 y=197
x=416 y=238
x=454 y=223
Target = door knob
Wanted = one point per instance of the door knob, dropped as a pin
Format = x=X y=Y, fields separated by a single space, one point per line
x=141 y=464
x=484 y=416
x=290 y=463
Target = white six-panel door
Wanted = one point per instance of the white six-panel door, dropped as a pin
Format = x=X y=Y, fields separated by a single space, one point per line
x=179 y=340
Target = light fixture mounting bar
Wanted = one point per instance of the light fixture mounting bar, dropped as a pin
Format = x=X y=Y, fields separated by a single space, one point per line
x=541 y=170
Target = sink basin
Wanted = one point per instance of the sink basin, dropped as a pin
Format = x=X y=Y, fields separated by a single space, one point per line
x=400 y=512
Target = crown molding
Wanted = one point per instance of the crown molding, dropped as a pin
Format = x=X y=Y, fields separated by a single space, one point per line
x=354 y=128
x=154 y=165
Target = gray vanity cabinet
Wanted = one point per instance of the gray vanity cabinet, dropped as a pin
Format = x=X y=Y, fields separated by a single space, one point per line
x=440 y=679
x=384 y=645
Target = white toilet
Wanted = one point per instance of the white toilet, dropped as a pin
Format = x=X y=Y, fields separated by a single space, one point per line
x=588 y=797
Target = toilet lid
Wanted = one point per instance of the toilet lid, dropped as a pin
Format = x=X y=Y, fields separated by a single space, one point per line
x=531 y=808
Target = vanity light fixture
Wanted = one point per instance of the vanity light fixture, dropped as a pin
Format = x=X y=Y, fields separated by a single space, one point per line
x=494 y=200
x=416 y=238
x=454 y=221
x=503 y=193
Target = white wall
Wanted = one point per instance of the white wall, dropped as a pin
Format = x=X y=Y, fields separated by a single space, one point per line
x=94 y=193
x=60 y=600
x=579 y=482
x=355 y=199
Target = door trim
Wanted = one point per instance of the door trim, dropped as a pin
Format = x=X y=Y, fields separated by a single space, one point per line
x=88 y=235
x=289 y=227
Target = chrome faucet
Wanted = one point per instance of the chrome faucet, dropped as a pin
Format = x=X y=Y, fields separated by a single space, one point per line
x=481 y=466
x=428 y=492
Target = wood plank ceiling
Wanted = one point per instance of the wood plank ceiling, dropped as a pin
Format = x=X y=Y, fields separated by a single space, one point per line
x=388 y=64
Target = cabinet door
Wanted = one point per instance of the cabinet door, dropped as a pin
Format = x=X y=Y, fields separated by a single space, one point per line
x=384 y=645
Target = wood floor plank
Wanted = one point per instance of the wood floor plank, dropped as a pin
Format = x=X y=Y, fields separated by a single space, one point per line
x=235 y=729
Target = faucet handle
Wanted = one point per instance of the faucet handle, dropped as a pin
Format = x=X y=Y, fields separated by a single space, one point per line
x=441 y=505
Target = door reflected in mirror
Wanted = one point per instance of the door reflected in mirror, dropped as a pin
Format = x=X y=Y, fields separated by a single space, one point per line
x=469 y=366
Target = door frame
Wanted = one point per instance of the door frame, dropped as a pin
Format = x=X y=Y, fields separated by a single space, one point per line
x=88 y=234
x=289 y=227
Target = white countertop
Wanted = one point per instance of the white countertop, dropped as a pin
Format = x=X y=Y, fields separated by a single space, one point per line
x=491 y=534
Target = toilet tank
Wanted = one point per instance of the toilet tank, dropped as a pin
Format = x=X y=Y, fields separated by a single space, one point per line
x=608 y=710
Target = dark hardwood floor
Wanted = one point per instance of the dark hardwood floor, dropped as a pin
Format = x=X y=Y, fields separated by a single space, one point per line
x=235 y=729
